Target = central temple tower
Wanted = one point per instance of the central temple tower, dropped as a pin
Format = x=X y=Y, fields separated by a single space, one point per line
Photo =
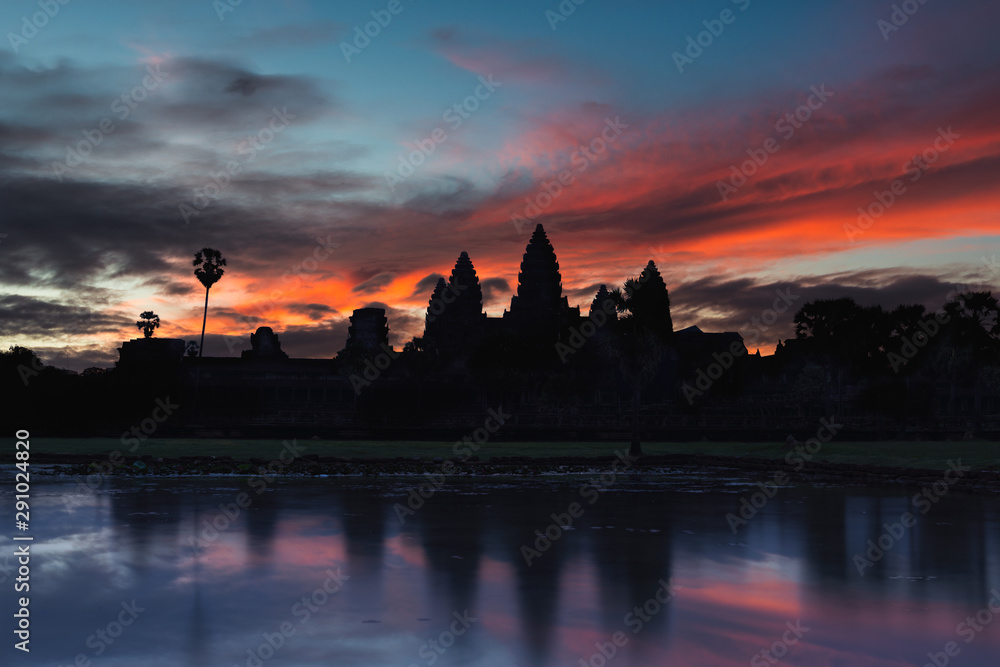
x=539 y=309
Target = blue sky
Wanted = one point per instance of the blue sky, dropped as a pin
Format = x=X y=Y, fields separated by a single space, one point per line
x=90 y=247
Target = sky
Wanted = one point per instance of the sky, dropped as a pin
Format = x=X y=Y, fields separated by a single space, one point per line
x=342 y=155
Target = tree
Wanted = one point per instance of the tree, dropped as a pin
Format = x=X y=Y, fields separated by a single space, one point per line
x=209 y=270
x=651 y=302
x=20 y=362
x=974 y=323
x=148 y=322
x=641 y=336
x=848 y=340
x=192 y=348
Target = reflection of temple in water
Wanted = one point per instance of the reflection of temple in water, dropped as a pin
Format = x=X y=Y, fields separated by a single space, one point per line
x=466 y=540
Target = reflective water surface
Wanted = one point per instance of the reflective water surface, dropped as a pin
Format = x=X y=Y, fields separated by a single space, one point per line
x=333 y=572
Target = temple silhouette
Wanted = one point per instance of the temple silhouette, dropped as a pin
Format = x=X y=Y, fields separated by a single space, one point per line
x=618 y=371
x=542 y=360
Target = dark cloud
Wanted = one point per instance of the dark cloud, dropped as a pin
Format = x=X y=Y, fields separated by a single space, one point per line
x=319 y=341
x=243 y=85
x=425 y=286
x=375 y=283
x=71 y=234
x=29 y=316
x=715 y=304
x=314 y=311
x=584 y=295
x=243 y=318
x=78 y=357
x=495 y=289
x=174 y=288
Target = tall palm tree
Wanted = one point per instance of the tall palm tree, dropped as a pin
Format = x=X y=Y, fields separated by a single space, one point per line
x=636 y=346
x=148 y=321
x=209 y=270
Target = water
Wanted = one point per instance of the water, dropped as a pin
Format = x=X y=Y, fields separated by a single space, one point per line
x=326 y=570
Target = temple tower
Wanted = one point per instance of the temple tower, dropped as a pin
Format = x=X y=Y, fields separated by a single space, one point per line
x=539 y=309
x=455 y=317
x=264 y=344
x=600 y=304
x=369 y=331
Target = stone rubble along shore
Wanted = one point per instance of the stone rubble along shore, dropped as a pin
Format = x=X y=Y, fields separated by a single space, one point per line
x=311 y=465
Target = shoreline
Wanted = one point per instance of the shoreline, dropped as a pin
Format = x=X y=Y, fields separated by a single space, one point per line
x=753 y=468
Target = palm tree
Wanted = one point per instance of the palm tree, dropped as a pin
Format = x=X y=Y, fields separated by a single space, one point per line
x=148 y=321
x=637 y=346
x=209 y=271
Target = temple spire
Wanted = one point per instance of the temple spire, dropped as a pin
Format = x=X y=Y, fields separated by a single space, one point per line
x=539 y=284
x=600 y=303
x=464 y=284
x=455 y=315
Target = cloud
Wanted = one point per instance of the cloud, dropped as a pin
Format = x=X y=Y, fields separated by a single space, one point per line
x=375 y=283
x=109 y=237
x=425 y=286
x=524 y=61
x=314 y=311
x=720 y=304
x=243 y=85
x=495 y=289
x=29 y=316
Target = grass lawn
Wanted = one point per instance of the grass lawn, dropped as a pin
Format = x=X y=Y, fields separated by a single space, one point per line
x=978 y=453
